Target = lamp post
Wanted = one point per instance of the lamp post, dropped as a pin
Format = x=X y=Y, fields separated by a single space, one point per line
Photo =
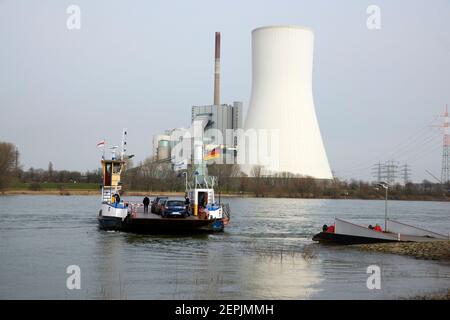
x=185 y=181
x=196 y=174
x=385 y=186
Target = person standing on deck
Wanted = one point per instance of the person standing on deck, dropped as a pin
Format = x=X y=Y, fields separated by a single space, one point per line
x=146 y=202
x=187 y=203
x=116 y=201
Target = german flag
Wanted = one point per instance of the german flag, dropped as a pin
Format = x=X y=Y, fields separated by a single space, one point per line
x=213 y=154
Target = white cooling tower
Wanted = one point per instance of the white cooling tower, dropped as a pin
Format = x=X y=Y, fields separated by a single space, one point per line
x=282 y=99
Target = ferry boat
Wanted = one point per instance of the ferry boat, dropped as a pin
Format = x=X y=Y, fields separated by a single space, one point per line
x=205 y=214
x=345 y=232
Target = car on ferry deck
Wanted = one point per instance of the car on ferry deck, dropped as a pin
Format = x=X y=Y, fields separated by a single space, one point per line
x=157 y=203
x=174 y=208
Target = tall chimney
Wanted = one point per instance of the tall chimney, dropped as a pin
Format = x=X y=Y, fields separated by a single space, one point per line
x=217 y=71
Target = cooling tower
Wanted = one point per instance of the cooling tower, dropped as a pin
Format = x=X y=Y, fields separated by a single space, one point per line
x=281 y=98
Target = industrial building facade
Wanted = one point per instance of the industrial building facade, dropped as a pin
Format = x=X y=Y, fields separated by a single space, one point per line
x=164 y=143
x=222 y=122
x=225 y=120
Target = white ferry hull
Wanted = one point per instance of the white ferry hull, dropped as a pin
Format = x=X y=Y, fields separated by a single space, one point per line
x=111 y=217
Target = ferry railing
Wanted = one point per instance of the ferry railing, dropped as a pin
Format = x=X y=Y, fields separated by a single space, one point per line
x=226 y=210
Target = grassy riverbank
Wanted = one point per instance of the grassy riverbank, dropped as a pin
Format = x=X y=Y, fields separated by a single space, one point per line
x=433 y=250
x=87 y=189
x=91 y=192
x=52 y=188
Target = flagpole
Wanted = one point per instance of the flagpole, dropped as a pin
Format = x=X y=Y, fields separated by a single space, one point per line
x=104 y=147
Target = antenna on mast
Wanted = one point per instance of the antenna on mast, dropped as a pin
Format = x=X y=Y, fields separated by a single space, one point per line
x=124 y=143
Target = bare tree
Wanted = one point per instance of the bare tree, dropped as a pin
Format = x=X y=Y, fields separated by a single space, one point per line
x=258 y=181
x=50 y=171
x=224 y=173
x=8 y=163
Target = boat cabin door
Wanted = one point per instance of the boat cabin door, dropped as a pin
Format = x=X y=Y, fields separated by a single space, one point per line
x=201 y=198
x=107 y=174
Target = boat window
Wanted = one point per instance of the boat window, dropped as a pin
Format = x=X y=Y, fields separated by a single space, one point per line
x=117 y=168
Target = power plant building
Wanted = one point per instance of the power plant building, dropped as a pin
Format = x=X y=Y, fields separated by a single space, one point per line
x=218 y=119
x=224 y=119
x=164 y=143
x=282 y=100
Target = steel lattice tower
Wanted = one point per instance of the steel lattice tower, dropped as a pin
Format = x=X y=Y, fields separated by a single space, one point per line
x=390 y=171
x=406 y=173
x=377 y=171
x=445 y=173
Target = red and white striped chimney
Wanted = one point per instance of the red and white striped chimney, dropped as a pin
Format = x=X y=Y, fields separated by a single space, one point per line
x=217 y=71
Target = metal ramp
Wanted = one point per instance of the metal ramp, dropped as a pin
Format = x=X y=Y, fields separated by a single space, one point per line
x=226 y=210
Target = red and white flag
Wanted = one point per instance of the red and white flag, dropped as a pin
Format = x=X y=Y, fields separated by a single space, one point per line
x=101 y=144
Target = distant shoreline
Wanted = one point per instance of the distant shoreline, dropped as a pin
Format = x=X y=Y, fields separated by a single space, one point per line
x=92 y=192
x=81 y=192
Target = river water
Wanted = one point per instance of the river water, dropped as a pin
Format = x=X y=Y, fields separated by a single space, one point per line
x=265 y=253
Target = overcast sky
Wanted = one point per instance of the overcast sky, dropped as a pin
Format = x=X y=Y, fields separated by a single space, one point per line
x=143 y=64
